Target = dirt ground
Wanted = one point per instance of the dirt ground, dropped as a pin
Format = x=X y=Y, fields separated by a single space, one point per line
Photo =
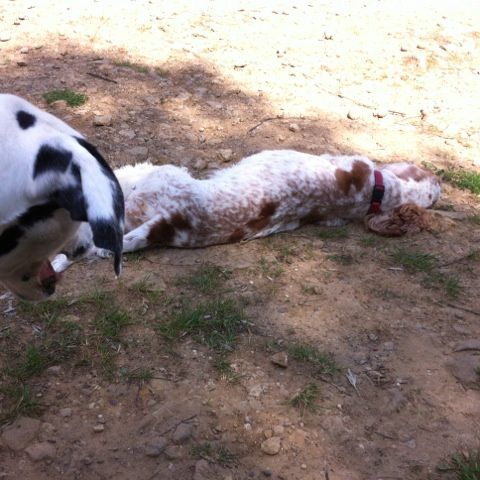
x=202 y=84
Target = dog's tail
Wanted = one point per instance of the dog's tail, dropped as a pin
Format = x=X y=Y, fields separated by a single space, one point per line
x=95 y=197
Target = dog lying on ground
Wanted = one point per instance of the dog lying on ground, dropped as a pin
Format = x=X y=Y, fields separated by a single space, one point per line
x=269 y=192
x=51 y=180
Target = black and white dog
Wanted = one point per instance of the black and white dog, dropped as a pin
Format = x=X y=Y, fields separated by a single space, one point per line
x=51 y=179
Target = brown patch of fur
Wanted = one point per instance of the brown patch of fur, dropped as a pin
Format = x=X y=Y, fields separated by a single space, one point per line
x=413 y=173
x=181 y=222
x=313 y=216
x=263 y=218
x=408 y=218
x=357 y=177
x=237 y=235
x=161 y=232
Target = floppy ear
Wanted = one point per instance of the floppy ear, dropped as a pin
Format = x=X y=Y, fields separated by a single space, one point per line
x=92 y=193
x=408 y=218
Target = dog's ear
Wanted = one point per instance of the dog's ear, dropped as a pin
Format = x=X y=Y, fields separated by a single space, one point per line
x=408 y=218
x=92 y=193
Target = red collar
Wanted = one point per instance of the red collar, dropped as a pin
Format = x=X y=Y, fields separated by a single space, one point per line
x=377 y=194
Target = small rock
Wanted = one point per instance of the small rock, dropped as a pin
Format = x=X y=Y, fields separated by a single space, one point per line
x=102 y=120
x=203 y=471
x=403 y=48
x=278 y=430
x=138 y=152
x=388 y=346
x=59 y=105
x=182 y=433
x=280 y=359
x=41 y=451
x=101 y=418
x=20 y=433
x=463 y=367
x=271 y=446
x=21 y=63
x=155 y=447
x=24 y=50
x=411 y=443
x=225 y=154
x=471 y=344
x=294 y=127
x=174 y=452
x=267 y=472
x=354 y=114
x=200 y=164
x=303 y=466
x=380 y=113
x=268 y=433
x=127 y=134
x=99 y=428
x=66 y=412
x=4 y=38
x=328 y=36
x=397 y=401
x=280 y=138
x=256 y=391
x=54 y=370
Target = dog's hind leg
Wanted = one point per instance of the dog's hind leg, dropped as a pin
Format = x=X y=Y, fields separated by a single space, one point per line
x=142 y=236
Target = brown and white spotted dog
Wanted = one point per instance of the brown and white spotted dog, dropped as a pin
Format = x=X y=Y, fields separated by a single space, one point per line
x=269 y=192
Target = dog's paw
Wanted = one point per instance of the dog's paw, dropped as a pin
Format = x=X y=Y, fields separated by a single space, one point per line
x=60 y=263
x=103 y=253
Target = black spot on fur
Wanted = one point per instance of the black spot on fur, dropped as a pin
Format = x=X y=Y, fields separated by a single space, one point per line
x=10 y=237
x=107 y=235
x=38 y=213
x=25 y=119
x=80 y=250
x=118 y=202
x=50 y=159
x=71 y=199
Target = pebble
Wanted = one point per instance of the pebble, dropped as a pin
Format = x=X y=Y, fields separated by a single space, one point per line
x=101 y=418
x=182 y=433
x=66 y=412
x=41 y=451
x=388 y=346
x=280 y=359
x=22 y=63
x=463 y=367
x=271 y=446
x=278 y=430
x=226 y=154
x=138 y=152
x=354 y=114
x=155 y=447
x=4 y=38
x=200 y=164
x=24 y=50
x=471 y=344
x=20 y=433
x=127 y=134
x=99 y=428
x=102 y=120
x=203 y=471
x=294 y=127
x=174 y=452
x=267 y=472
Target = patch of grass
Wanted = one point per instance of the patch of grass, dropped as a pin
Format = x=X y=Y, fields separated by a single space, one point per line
x=137 y=67
x=215 y=323
x=338 y=233
x=72 y=98
x=342 y=258
x=140 y=375
x=270 y=269
x=323 y=362
x=34 y=361
x=135 y=256
x=214 y=454
x=145 y=288
x=102 y=300
x=414 y=261
x=225 y=370
x=306 y=399
x=466 y=466
x=47 y=311
x=110 y=324
x=463 y=179
x=475 y=219
x=22 y=400
x=206 y=279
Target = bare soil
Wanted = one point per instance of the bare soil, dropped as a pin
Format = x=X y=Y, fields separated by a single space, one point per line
x=202 y=84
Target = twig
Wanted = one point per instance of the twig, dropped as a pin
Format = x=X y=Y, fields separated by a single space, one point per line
x=250 y=130
x=184 y=420
x=101 y=77
x=339 y=388
x=385 y=435
x=458 y=307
